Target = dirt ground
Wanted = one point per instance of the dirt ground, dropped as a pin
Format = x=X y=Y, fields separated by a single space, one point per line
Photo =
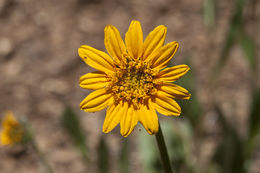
x=40 y=69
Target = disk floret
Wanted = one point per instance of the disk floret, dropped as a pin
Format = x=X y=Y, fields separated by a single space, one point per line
x=133 y=81
x=16 y=133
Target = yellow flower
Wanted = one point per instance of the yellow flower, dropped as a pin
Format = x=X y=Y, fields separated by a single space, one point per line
x=133 y=81
x=12 y=132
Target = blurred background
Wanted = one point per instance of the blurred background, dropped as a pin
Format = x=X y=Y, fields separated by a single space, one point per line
x=218 y=131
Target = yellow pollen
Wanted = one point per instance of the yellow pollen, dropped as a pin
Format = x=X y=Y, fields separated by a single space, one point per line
x=133 y=82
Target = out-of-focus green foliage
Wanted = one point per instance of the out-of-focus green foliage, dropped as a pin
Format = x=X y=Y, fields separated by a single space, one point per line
x=209 y=13
x=191 y=109
x=178 y=136
x=103 y=156
x=124 y=158
x=249 y=48
x=230 y=154
x=234 y=153
x=148 y=153
x=237 y=35
x=71 y=123
x=254 y=121
x=235 y=30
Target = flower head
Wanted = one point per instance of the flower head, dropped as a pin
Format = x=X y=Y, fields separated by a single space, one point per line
x=13 y=131
x=133 y=81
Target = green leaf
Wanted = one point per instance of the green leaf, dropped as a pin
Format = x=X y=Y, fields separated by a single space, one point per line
x=249 y=47
x=124 y=158
x=103 y=156
x=255 y=116
x=235 y=30
x=72 y=124
x=230 y=153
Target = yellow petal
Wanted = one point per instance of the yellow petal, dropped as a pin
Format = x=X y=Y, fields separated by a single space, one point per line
x=96 y=101
x=112 y=117
x=166 y=105
x=162 y=58
x=148 y=118
x=128 y=119
x=5 y=140
x=96 y=59
x=175 y=91
x=154 y=41
x=134 y=39
x=114 y=43
x=9 y=121
x=173 y=73
x=95 y=80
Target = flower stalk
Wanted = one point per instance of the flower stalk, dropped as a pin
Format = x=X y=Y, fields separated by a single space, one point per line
x=31 y=140
x=163 y=151
x=42 y=158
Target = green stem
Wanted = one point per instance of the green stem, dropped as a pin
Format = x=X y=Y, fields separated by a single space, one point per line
x=163 y=151
x=42 y=158
x=30 y=138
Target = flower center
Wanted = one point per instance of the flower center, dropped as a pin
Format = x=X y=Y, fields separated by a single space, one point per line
x=133 y=82
x=15 y=133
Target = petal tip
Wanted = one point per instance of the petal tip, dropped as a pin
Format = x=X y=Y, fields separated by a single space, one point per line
x=81 y=52
x=178 y=113
x=175 y=44
x=135 y=21
x=105 y=130
x=164 y=29
x=83 y=47
x=108 y=27
x=186 y=69
x=161 y=28
x=125 y=134
x=189 y=96
x=152 y=131
x=81 y=106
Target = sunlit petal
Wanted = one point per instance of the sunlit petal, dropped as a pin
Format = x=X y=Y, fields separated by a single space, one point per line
x=96 y=59
x=95 y=80
x=166 y=105
x=114 y=43
x=148 y=118
x=128 y=119
x=162 y=58
x=171 y=74
x=96 y=101
x=112 y=117
x=134 y=39
x=154 y=41
x=175 y=91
